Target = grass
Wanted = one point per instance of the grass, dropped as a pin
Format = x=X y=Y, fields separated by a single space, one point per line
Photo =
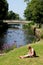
x=12 y=57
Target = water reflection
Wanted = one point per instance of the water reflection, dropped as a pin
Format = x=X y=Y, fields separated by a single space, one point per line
x=1 y=41
x=16 y=37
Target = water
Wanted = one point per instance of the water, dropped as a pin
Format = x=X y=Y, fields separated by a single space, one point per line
x=15 y=37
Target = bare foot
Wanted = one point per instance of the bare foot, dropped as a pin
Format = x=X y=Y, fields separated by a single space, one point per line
x=21 y=57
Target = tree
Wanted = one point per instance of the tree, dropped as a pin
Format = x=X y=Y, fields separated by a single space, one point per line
x=3 y=9
x=27 y=13
x=26 y=0
x=35 y=11
x=17 y=16
x=12 y=16
x=3 y=13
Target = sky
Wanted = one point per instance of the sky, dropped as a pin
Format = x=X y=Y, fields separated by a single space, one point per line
x=17 y=6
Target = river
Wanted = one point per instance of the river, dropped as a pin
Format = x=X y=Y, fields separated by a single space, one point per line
x=14 y=36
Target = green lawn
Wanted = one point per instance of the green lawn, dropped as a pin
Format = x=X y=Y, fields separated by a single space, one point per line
x=12 y=57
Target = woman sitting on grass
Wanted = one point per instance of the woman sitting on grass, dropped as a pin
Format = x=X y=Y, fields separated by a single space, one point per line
x=31 y=53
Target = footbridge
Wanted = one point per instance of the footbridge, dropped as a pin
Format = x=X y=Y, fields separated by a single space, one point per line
x=16 y=22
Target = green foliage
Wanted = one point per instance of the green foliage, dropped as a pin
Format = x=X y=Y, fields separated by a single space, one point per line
x=28 y=26
x=34 y=11
x=12 y=16
x=26 y=0
x=3 y=9
x=30 y=32
x=41 y=34
x=27 y=13
x=4 y=13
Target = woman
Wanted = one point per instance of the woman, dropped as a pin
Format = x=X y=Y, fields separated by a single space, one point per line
x=31 y=53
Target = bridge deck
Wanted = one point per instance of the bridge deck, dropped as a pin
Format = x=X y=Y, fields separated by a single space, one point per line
x=16 y=21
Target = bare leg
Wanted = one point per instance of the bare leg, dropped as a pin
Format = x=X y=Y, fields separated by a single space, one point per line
x=25 y=56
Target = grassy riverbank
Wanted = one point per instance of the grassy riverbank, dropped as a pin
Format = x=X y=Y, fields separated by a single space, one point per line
x=12 y=57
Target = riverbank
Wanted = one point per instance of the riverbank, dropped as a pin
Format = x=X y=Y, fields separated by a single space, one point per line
x=12 y=57
x=33 y=29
